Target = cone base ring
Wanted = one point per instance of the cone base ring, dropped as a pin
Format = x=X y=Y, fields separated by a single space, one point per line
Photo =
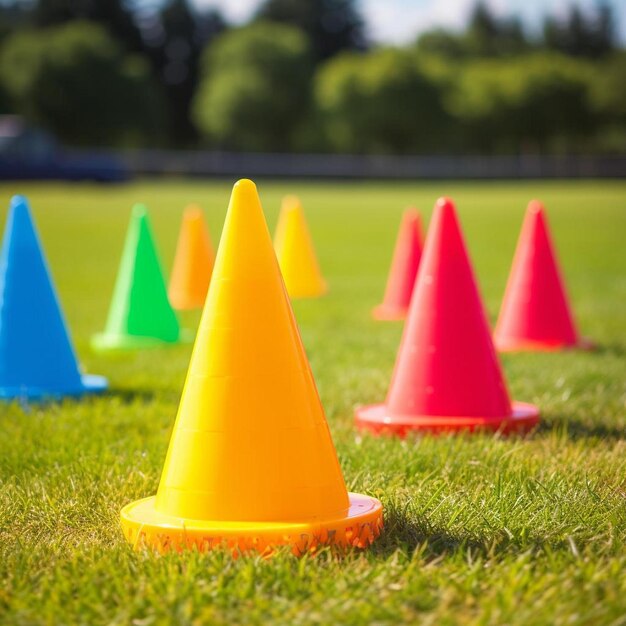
x=376 y=419
x=144 y=526
x=528 y=345
x=104 y=342
x=90 y=383
x=303 y=294
x=182 y=302
x=384 y=312
x=188 y=306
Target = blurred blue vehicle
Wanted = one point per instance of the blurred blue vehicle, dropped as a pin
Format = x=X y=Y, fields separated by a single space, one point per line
x=29 y=153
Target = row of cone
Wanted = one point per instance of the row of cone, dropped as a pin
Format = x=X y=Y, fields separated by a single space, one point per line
x=38 y=361
x=142 y=311
x=535 y=313
x=251 y=462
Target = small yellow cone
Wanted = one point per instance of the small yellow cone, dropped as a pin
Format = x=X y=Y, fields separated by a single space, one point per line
x=251 y=462
x=193 y=262
x=295 y=252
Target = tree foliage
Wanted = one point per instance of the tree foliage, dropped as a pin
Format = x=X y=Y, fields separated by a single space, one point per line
x=581 y=35
x=255 y=88
x=110 y=14
x=331 y=26
x=75 y=81
x=300 y=78
x=381 y=102
x=533 y=102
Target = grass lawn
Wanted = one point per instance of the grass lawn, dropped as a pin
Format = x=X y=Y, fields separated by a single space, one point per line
x=478 y=529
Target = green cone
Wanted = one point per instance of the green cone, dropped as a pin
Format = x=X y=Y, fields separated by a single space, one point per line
x=140 y=315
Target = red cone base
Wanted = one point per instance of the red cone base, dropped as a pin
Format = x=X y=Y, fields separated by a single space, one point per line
x=375 y=418
x=544 y=346
x=387 y=313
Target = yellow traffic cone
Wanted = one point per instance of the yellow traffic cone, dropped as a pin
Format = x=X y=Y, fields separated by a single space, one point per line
x=251 y=462
x=193 y=262
x=295 y=252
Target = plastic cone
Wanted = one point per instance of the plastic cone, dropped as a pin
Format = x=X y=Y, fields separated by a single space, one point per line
x=535 y=313
x=447 y=375
x=37 y=359
x=251 y=462
x=295 y=252
x=406 y=260
x=140 y=315
x=193 y=263
x=288 y=203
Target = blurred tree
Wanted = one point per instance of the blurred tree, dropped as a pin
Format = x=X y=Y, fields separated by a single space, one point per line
x=13 y=16
x=485 y=36
x=609 y=102
x=254 y=90
x=581 y=35
x=380 y=102
x=176 y=59
x=331 y=25
x=609 y=94
x=170 y=33
x=442 y=42
x=114 y=15
x=535 y=103
x=75 y=81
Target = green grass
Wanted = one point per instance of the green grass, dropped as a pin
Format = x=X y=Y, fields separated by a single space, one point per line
x=479 y=530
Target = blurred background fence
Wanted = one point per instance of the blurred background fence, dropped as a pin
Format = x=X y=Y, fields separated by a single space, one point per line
x=201 y=163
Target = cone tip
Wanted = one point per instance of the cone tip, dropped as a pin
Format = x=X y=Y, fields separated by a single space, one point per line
x=244 y=193
x=445 y=205
x=535 y=207
x=18 y=203
x=139 y=211
x=290 y=202
x=244 y=185
x=192 y=212
x=411 y=214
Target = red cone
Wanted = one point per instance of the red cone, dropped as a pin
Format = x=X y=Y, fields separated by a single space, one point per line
x=406 y=260
x=535 y=313
x=447 y=375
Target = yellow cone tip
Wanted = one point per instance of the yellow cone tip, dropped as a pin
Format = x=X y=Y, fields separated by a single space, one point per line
x=244 y=188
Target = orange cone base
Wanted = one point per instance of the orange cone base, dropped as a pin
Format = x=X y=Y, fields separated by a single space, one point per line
x=542 y=346
x=384 y=312
x=183 y=302
x=376 y=419
x=144 y=526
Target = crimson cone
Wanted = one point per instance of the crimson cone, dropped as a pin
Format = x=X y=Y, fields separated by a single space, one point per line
x=535 y=313
x=406 y=260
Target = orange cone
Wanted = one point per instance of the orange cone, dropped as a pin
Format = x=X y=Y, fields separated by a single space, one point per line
x=295 y=252
x=193 y=262
x=535 y=313
x=447 y=375
x=251 y=462
x=406 y=259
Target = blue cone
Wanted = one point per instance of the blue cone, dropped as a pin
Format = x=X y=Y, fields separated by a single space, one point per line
x=37 y=359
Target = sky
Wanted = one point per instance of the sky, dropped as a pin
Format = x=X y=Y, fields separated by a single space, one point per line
x=400 y=21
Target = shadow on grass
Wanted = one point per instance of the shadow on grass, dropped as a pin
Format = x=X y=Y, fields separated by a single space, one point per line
x=406 y=533
x=129 y=396
x=611 y=349
x=575 y=429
